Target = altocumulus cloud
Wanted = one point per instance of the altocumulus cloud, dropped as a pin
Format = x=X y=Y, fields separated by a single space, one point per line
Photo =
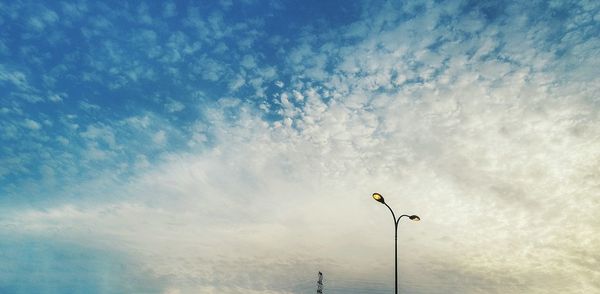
x=233 y=148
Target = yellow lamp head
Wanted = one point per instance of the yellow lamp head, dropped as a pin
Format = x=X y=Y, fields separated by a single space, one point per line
x=378 y=197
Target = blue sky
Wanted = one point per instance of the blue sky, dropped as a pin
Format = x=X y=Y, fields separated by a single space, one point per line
x=78 y=75
x=232 y=146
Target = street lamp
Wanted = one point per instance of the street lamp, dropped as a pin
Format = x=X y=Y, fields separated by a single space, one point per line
x=379 y=198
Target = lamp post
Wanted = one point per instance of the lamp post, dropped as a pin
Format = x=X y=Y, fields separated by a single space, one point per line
x=380 y=199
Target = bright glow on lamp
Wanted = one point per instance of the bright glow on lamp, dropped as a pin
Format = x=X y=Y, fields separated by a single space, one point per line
x=378 y=197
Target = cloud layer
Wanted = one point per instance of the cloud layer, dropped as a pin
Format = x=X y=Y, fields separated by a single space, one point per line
x=216 y=151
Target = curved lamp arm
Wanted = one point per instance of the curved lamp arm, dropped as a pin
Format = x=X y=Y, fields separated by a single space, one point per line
x=411 y=217
x=393 y=214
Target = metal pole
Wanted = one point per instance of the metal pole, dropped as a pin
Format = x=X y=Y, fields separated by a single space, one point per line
x=396 y=256
x=395 y=247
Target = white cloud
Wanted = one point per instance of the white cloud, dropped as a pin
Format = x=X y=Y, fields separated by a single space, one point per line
x=93 y=152
x=248 y=61
x=169 y=9
x=139 y=121
x=31 y=124
x=269 y=73
x=236 y=83
x=88 y=106
x=228 y=102
x=100 y=133
x=62 y=140
x=298 y=96
x=174 y=106
x=160 y=137
x=55 y=98
x=15 y=77
x=141 y=162
x=210 y=70
x=143 y=14
x=74 y=10
x=44 y=18
x=226 y=4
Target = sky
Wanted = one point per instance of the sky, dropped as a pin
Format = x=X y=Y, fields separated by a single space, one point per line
x=233 y=146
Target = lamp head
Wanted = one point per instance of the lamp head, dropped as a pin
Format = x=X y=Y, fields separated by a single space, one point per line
x=414 y=218
x=378 y=197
